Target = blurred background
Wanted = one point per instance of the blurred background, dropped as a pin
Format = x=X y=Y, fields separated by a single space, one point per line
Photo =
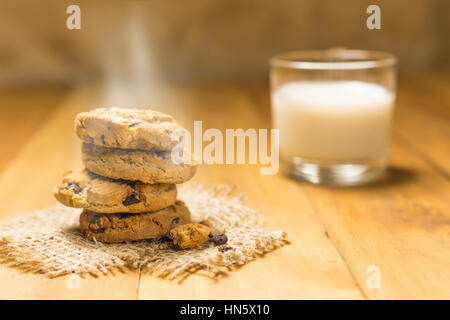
x=202 y=40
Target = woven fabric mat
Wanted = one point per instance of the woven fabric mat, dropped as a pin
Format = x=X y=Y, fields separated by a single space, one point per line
x=48 y=241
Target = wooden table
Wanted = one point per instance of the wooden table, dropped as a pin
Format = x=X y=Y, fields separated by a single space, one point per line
x=401 y=226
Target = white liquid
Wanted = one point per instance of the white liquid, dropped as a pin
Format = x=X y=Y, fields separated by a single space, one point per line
x=333 y=120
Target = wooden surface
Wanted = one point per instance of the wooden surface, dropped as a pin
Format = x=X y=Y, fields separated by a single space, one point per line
x=401 y=225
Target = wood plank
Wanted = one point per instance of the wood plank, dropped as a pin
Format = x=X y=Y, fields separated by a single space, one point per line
x=22 y=111
x=435 y=282
x=309 y=268
x=28 y=183
x=402 y=226
x=422 y=118
x=19 y=285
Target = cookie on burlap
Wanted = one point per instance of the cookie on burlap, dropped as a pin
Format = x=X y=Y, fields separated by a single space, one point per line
x=150 y=166
x=119 y=227
x=83 y=189
x=189 y=235
x=128 y=128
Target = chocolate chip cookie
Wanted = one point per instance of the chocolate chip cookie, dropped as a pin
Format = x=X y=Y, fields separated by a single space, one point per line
x=119 y=227
x=128 y=128
x=189 y=235
x=149 y=166
x=83 y=189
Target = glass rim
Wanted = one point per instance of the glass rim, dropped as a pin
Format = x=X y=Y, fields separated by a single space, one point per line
x=333 y=59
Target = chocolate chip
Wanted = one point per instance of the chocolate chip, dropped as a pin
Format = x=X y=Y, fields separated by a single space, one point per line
x=96 y=230
x=176 y=220
x=167 y=237
x=224 y=248
x=131 y=199
x=130 y=183
x=160 y=153
x=76 y=188
x=103 y=138
x=219 y=239
x=133 y=124
x=95 y=225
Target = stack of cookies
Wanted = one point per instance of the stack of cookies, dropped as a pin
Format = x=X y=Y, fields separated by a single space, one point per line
x=128 y=186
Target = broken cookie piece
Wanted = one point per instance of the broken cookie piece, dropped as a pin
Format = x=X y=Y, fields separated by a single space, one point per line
x=189 y=235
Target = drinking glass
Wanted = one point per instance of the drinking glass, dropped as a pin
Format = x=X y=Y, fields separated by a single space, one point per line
x=333 y=109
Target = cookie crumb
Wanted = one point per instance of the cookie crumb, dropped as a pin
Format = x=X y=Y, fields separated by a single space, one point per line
x=224 y=248
x=189 y=235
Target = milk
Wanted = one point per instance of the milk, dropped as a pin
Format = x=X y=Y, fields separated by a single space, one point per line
x=333 y=120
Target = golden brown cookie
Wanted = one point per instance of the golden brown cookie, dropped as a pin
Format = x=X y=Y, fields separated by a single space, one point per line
x=83 y=189
x=151 y=166
x=189 y=235
x=128 y=128
x=119 y=227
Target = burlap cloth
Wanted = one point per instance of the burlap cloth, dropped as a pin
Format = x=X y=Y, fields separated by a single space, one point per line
x=48 y=241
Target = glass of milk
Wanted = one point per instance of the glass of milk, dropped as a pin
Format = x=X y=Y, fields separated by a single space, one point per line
x=333 y=109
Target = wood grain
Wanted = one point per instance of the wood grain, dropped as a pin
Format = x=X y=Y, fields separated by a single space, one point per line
x=401 y=225
x=422 y=119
